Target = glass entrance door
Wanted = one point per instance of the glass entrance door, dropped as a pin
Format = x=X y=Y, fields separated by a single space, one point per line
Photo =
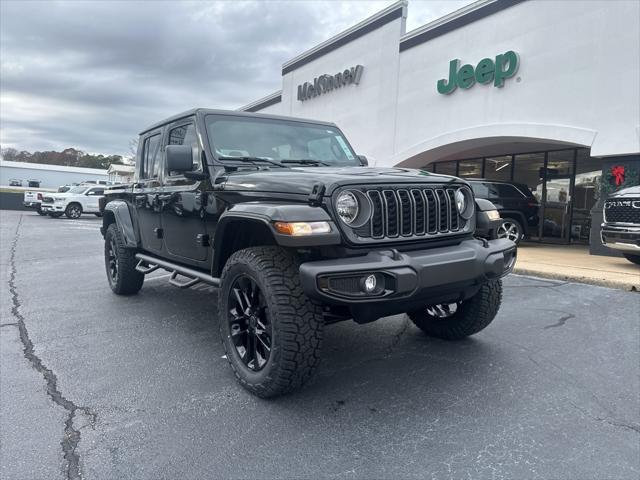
x=557 y=209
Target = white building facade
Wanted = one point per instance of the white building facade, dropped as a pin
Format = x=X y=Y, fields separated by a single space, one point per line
x=49 y=176
x=541 y=93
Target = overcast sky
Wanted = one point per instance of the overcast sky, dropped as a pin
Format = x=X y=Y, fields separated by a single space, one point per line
x=92 y=74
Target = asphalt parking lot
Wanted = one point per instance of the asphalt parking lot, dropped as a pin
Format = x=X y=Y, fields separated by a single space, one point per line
x=97 y=386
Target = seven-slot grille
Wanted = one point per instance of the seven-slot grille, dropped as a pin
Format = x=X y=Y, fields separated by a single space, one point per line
x=406 y=212
x=622 y=211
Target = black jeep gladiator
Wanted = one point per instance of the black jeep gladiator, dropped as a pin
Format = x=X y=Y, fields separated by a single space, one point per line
x=297 y=232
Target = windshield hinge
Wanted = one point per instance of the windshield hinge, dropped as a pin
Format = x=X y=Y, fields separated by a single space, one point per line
x=317 y=192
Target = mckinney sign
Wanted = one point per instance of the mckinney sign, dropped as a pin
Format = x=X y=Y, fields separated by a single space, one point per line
x=325 y=83
x=487 y=71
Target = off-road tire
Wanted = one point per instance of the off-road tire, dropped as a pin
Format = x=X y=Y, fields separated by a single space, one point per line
x=297 y=324
x=632 y=258
x=472 y=315
x=71 y=210
x=128 y=280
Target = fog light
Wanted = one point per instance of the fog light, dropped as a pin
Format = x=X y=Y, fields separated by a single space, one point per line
x=370 y=283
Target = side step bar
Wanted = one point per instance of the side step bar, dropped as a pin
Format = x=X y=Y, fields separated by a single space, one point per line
x=147 y=264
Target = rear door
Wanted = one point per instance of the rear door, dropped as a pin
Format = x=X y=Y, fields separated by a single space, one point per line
x=92 y=200
x=146 y=190
x=185 y=203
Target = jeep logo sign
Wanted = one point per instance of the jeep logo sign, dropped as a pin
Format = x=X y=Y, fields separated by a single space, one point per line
x=487 y=71
x=325 y=83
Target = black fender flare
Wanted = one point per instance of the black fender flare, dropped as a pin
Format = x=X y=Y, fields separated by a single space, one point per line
x=117 y=211
x=267 y=214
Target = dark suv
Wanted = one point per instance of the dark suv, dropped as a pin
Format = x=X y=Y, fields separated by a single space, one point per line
x=515 y=202
x=297 y=232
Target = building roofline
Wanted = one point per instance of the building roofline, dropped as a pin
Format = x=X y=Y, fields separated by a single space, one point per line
x=264 y=102
x=392 y=12
x=50 y=167
x=458 y=19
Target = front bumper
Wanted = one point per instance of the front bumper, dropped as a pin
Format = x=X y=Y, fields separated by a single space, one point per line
x=49 y=208
x=618 y=237
x=410 y=279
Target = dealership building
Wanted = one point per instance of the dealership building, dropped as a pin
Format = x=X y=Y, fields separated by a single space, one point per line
x=541 y=93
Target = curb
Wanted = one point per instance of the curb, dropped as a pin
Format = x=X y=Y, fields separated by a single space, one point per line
x=602 y=282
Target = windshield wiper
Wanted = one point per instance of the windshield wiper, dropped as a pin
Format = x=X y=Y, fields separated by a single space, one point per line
x=307 y=161
x=253 y=160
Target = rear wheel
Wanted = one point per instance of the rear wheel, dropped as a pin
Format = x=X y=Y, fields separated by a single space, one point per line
x=120 y=263
x=511 y=229
x=454 y=321
x=270 y=330
x=73 y=211
x=632 y=258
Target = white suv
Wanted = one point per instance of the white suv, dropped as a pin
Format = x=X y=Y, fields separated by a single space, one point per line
x=73 y=203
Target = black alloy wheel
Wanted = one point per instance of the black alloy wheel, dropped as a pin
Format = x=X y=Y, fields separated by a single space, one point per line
x=249 y=323
x=112 y=260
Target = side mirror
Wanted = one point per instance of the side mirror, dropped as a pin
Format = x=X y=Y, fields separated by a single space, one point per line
x=179 y=158
x=363 y=160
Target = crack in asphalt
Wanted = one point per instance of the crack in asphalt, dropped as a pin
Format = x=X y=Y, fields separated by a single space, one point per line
x=396 y=338
x=561 y=321
x=71 y=436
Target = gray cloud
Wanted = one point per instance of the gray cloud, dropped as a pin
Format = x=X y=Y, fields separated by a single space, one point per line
x=92 y=74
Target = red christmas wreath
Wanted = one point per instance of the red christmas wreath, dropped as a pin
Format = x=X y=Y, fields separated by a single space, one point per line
x=617 y=172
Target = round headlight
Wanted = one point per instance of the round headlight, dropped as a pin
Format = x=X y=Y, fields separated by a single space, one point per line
x=461 y=202
x=347 y=207
x=464 y=203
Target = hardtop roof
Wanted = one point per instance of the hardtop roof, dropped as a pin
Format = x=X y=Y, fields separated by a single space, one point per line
x=233 y=113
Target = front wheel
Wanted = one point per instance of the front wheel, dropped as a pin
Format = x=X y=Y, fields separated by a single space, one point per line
x=270 y=330
x=73 y=211
x=632 y=258
x=510 y=229
x=455 y=321
x=120 y=263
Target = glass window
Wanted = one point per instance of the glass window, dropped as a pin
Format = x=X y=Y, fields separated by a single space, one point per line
x=470 y=168
x=504 y=190
x=447 y=168
x=278 y=140
x=529 y=168
x=151 y=157
x=96 y=191
x=560 y=164
x=498 y=168
x=585 y=194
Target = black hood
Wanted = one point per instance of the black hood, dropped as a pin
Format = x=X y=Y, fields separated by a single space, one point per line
x=300 y=180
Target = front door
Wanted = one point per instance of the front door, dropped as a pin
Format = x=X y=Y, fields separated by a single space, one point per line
x=557 y=209
x=146 y=191
x=186 y=204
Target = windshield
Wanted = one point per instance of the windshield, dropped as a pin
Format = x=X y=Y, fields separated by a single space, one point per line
x=77 y=190
x=278 y=140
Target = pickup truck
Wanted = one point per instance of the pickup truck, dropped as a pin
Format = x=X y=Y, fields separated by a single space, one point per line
x=297 y=232
x=621 y=227
x=74 y=202
x=33 y=200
